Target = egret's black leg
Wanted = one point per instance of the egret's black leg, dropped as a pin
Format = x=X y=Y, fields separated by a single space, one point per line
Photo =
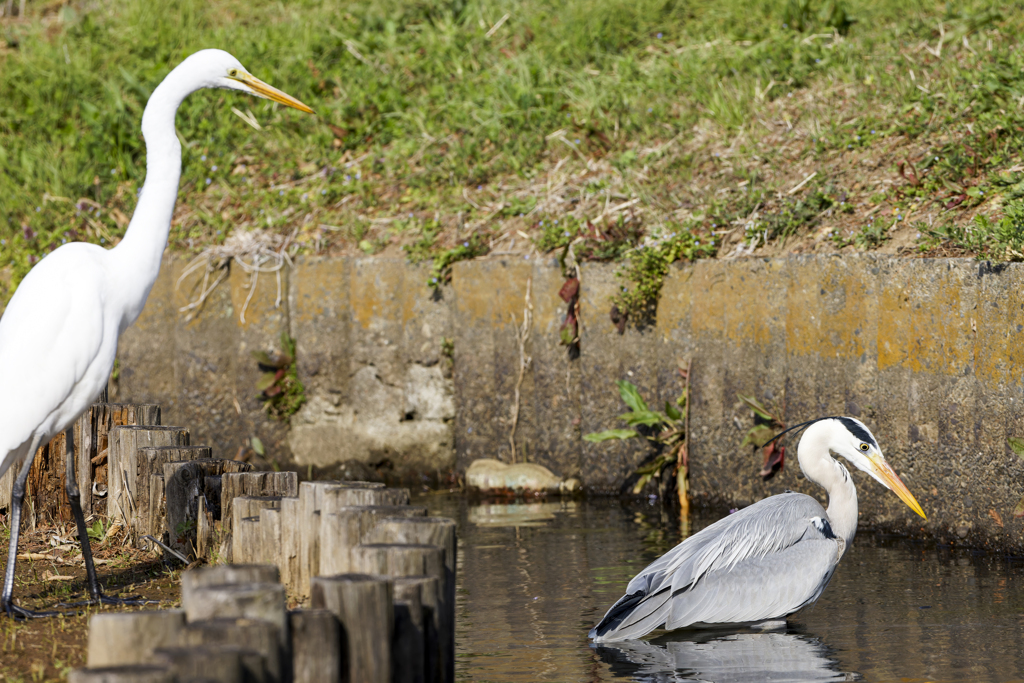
x=96 y=596
x=17 y=498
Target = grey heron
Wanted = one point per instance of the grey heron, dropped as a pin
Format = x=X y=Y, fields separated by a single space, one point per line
x=768 y=560
x=58 y=335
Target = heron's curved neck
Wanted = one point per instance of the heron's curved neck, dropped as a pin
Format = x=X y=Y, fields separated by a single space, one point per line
x=141 y=250
x=820 y=467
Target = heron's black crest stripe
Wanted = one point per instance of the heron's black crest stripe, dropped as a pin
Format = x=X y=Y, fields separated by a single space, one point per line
x=858 y=430
x=855 y=427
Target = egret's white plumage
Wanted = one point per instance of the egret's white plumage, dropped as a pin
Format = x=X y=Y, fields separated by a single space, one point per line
x=58 y=334
x=765 y=561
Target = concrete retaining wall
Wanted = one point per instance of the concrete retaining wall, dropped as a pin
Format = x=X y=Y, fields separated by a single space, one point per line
x=926 y=352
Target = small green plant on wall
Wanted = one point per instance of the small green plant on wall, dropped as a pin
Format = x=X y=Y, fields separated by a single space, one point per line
x=667 y=432
x=280 y=389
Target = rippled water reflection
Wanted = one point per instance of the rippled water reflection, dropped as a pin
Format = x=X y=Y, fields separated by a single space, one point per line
x=534 y=578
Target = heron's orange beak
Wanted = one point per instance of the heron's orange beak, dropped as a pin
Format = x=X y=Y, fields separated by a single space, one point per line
x=889 y=478
x=262 y=89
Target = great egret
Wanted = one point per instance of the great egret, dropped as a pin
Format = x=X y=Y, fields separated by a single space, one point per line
x=58 y=335
x=767 y=560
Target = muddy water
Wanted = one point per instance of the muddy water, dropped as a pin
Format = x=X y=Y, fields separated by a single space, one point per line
x=533 y=579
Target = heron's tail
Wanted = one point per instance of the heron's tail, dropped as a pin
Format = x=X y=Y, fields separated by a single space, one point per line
x=633 y=616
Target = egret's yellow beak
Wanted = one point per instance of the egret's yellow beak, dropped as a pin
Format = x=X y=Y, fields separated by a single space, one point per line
x=262 y=89
x=888 y=477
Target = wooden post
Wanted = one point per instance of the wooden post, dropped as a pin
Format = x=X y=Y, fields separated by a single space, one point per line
x=221 y=664
x=123 y=456
x=425 y=587
x=269 y=547
x=236 y=484
x=318 y=652
x=345 y=496
x=45 y=494
x=438 y=531
x=252 y=634
x=364 y=608
x=151 y=462
x=184 y=488
x=92 y=442
x=391 y=559
x=225 y=574
x=291 y=542
x=245 y=526
x=346 y=527
x=117 y=638
x=137 y=673
x=264 y=601
x=407 y=655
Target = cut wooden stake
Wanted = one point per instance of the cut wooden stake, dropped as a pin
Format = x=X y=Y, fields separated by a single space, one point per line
x=117 y=638
x=363 y=606
x=318 y=655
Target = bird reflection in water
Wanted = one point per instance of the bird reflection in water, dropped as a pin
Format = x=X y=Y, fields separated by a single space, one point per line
x=723 y=658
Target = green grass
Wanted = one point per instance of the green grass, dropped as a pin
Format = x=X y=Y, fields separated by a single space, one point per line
x=435 y=131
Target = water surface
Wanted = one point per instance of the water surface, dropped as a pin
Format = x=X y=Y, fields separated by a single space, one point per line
x=534 y=578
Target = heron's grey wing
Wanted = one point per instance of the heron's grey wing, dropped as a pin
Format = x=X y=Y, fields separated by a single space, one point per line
x=745 y=543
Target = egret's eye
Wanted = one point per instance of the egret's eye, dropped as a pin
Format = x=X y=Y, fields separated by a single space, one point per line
x=233 y=73
x=864 y=447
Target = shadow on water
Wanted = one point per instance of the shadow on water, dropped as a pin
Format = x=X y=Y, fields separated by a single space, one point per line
x=780 y=657
x=535 y=577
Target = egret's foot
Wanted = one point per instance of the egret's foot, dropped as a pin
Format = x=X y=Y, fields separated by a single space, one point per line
x=770 y=625
x=106 y=600
x=22 y=614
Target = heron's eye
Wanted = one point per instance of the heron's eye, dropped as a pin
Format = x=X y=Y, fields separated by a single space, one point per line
x=233 y=72
x=864 y=447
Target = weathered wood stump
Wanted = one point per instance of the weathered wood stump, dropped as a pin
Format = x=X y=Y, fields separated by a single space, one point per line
x=150 y=519
x=47 y=496
x=235 y=484
x=426 y=590
x=246 y=541
x=364 y=607
x=135 y=673
x=264 y=601
x=185 y=483
x=224 y=574
x=438 y=531
x=408 y=661
x=395 y=559
x=343 y=528
x=117 y=638
x=126 y=498
x=291 y=543
x=318 y=652
x=223 y=664
x=252 y=634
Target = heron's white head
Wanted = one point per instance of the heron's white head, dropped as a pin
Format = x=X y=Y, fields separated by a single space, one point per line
x=850 y=438
x=219 y=69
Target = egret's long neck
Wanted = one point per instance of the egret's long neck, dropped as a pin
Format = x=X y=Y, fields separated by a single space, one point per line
x=138 y=255
x=821 y=468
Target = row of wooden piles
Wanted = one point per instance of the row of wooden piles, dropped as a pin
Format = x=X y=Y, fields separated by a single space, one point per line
x=377 y=573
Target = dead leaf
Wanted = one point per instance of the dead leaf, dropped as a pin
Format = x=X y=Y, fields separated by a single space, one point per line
x=50 y=576
x=1018 y=511
x=569 y=289
x=995 y=517
x=774 y=459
